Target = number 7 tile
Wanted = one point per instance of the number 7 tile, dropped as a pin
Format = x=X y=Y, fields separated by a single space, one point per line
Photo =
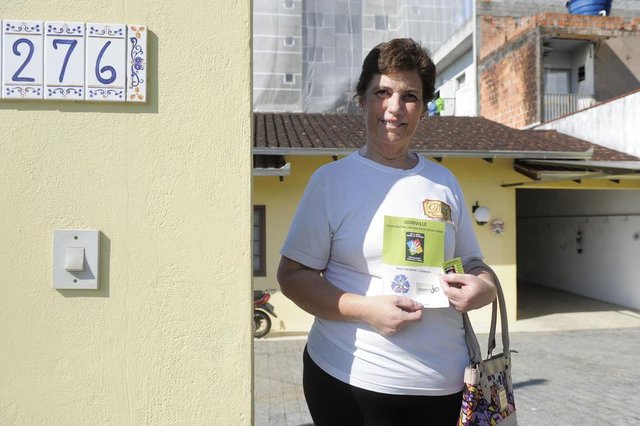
x=64 y=60
x=105 y=72
x=22 y=59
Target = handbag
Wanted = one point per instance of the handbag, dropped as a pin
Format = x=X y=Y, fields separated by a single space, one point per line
x=487 y=397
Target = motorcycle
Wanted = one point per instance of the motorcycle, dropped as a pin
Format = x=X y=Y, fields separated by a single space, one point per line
x=261 y=311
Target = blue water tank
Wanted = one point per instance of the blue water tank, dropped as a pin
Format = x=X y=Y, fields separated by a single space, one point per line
x=589 y=7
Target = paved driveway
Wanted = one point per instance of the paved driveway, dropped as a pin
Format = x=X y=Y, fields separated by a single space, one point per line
x=577 y=364
x=586 y=377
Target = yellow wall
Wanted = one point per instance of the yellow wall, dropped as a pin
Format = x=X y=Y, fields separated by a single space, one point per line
x=480 y=180
x=167 y=337
x=281 y=200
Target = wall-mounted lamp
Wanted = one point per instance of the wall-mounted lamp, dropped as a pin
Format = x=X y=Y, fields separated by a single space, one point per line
x=481 y=214
x=579 y=241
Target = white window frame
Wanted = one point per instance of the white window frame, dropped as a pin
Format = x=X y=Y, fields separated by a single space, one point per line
x=385 y=18
x=461 y=81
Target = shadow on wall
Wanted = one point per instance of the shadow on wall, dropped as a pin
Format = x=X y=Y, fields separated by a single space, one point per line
x=537 y=300
x=617 y=67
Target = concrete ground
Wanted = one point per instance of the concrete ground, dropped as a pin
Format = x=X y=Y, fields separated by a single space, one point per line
x=577 y=364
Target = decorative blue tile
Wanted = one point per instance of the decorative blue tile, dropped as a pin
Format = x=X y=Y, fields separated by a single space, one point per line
x=105 y=63
x=64 y=51
x=22 y=59
x=136 y=63
x=1 y=48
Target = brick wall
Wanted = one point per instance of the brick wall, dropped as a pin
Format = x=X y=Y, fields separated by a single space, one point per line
x=498 y=31
x=508 y=58
x=508 y=86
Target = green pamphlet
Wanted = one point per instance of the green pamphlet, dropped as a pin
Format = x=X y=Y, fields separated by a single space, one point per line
x=413 y=256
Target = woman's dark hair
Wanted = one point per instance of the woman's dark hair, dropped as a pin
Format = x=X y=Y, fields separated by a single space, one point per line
x=393 y=56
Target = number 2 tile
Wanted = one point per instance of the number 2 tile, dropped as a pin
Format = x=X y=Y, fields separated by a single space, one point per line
x=22 y=59
x=105 y=72
x=64 y=51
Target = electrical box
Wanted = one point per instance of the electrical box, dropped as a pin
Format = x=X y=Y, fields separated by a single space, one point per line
x=76 y=255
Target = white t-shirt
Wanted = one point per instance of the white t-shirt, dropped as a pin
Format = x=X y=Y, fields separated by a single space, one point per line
x=338 y=229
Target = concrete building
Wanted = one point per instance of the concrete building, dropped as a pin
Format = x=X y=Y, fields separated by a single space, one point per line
x=522 y=63
x=308 y=54
x=533 y=65
x=613 y=123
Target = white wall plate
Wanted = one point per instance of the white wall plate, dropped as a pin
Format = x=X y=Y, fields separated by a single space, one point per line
x=76 y=238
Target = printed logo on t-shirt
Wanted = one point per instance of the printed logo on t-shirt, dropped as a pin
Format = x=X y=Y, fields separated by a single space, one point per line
x=437 y=209
x=414 y=250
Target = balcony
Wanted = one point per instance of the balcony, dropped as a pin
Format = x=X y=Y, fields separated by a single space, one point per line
x=558 y=104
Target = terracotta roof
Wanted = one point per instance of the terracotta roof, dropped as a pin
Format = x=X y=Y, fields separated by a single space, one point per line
x=600 y=153
x=322 y=134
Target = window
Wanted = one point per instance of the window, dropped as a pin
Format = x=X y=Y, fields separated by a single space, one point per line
x=288 y=41
x=315 y=20
x=288 y=4
x=347 y=24
x=557 y=81
x=381 y=22
x=289 y=78
x=581 y=73
x=259 y=242
x=460 y=81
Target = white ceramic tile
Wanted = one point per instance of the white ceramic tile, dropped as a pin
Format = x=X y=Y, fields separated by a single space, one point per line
x=105 y=60
x=136 y=63
x=22 y=59
x=64 y=60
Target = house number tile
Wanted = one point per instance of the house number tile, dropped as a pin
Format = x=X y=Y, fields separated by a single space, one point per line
x=73 y=61
x=64 y=60
x=22 y=59
x=105 y=67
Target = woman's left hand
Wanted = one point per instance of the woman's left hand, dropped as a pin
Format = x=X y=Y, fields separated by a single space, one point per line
x=467 y=292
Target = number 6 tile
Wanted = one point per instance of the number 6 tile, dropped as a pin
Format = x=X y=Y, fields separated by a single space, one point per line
x=105 y=72
x=64 y=60
x=22 y=60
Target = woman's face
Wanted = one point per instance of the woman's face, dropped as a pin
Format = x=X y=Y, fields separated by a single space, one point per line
x=392 y=107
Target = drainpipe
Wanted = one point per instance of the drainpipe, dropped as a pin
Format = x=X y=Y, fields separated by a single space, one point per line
x=474 y=42
x=539 y=83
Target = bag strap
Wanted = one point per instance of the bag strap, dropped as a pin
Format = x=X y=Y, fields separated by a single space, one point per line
x=475 y=352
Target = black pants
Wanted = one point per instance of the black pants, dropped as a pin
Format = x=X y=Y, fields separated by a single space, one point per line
x=333 y=403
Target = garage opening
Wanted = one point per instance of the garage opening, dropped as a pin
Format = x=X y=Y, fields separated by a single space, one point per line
x=577 y=242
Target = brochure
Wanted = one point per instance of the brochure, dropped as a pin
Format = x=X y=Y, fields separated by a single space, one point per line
x=413 y=256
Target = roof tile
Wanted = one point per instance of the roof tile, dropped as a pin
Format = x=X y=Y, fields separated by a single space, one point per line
x=460 y=135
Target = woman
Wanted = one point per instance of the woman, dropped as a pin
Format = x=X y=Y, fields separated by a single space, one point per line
x=372 y=357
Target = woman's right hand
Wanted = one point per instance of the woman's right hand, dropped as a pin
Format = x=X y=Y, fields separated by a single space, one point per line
x=390 y=314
